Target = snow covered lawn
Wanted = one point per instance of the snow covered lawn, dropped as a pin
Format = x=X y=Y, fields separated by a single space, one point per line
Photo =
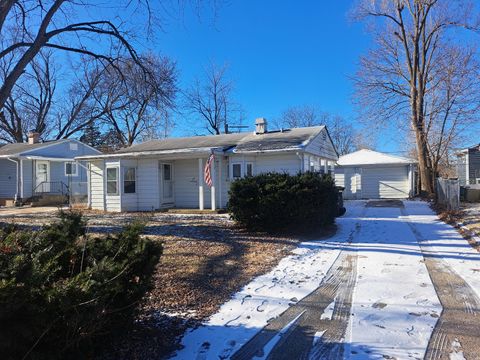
x=394 y=310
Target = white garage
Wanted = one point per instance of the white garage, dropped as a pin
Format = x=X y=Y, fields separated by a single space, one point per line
x=368 y=174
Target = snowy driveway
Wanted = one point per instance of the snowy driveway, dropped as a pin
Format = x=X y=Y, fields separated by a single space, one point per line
x=393 y=283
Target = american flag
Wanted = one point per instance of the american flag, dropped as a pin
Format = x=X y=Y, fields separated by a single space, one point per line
x=208 y=169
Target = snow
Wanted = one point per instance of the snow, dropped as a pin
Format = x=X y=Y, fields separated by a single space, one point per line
x=457 y=353
x=328 y=313
x=447 y=242
x=394 y=306
x=267 y=296
x=366 y=157
x=271 y=344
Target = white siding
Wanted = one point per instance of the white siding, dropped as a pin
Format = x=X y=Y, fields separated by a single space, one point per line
x=148 y=191
x=385 y=182
x=322 y=146
x=283 y=163
x=8 y=179
x=28 y=177
x=351 y=179
x=96 y=185
x=186 y=184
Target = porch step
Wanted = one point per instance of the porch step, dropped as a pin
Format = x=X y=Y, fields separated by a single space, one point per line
x=46 y=200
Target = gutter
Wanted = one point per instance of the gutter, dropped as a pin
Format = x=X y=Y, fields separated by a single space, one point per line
x=203 y=151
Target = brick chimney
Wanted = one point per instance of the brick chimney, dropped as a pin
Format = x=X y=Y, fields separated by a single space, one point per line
x=261 y=126
x=33 y=137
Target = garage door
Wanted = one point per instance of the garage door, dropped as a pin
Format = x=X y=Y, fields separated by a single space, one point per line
x=385 y=183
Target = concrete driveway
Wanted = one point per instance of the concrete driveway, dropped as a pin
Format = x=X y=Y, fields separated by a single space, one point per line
x=393 y=283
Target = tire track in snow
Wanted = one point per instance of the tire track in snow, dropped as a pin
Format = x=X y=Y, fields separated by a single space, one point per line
x=458 y=327
x=304 y=322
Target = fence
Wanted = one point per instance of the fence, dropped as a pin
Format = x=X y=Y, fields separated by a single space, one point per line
x=78 y=196
x=448 y=193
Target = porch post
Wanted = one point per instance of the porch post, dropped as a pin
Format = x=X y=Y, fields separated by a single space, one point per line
x=200 y=184
x=212 y=189
x=220 y=165
x=325 y=166
x=21 y=179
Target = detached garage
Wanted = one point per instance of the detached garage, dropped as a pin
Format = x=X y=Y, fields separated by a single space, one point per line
x=368 y=174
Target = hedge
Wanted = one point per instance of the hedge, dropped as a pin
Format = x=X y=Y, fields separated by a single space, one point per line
x=276 y=202
x=61 y=293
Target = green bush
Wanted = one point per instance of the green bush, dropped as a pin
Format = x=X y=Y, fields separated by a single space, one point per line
x=276 y=202
x=63 y=293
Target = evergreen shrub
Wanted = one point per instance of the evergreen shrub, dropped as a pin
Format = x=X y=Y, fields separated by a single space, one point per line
x=275 y=202
x=61 y=293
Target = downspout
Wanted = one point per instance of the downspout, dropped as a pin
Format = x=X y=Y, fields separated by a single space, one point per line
x=302 y=161
x=17 y=178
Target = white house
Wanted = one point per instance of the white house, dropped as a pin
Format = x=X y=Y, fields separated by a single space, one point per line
x=367 y=174
x=42 y=168
x=170 y=173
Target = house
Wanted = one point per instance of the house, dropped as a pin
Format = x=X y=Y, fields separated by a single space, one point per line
x=368 y=174
x=170 y=172
x=468 y=165
x=42 y=169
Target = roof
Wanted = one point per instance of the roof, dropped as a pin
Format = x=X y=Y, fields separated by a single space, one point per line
x=370 y=157
x=465 y=150
x=16 y=149
x=289 y=139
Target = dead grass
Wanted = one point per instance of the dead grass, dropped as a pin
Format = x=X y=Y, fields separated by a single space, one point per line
x=197 y=273
x=206 y=259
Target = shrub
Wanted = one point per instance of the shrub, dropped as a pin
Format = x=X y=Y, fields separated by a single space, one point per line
x=277 y=202
x=61 y=292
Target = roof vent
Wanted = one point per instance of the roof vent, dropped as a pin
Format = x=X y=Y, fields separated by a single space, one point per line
x=261 y=126
x=33 y=137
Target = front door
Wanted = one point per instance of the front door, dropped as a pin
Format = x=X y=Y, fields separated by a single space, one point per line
x=166 y=183
x=42 y=176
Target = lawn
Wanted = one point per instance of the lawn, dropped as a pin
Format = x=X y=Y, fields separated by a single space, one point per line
x=206 y=260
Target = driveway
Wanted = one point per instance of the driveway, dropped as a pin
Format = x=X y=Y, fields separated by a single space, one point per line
x=393 y=283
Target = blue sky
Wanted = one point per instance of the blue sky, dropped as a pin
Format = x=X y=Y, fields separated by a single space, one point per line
x=279 y=54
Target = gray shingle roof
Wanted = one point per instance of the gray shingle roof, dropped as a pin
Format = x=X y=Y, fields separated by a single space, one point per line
x=18 y=148
x=241 y=142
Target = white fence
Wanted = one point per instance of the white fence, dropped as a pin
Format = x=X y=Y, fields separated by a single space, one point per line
x=448 y=193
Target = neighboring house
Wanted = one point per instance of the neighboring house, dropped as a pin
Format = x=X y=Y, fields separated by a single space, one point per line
x=35 y=168
x=367 y=174
x=468 y=165
x=170 y=173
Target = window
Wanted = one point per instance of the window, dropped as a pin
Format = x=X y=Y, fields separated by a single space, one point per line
x=70 y=169
x=249 y=170
x=112 y=181
x=237 y=171
x=73 y=146
x=167 y=172
x=129 y=185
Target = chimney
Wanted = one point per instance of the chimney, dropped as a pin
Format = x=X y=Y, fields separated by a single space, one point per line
x=33 y=137
x=261 y=126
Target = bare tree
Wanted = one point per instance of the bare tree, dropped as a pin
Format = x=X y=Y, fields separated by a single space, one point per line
x=404 y=78
x=210 y=100
x=135 y=102
x=28 y=107
x=27 y=27
x=344 y=136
